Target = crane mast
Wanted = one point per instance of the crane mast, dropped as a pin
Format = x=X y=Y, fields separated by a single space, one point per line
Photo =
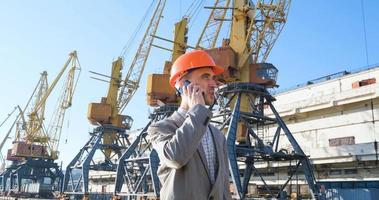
x=263 y=23
x=34 y=125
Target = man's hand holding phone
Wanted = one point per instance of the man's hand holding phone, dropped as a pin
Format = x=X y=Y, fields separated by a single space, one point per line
x=192 y=94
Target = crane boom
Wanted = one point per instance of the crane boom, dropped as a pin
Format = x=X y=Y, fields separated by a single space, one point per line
x=133 y=77
x=42 y=102
x=209 y=35
x=65 y=101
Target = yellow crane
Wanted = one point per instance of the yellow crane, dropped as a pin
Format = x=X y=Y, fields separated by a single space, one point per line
x=120 y=92
x=109 y=137
x=20 y=122
x=158 y=90
x=35 y=149
x=254 y=28
x=44 y=143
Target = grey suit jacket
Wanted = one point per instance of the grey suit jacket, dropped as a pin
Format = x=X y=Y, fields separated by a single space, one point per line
x=183 y=170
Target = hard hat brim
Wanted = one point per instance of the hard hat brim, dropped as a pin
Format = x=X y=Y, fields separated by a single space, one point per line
x=215 y=68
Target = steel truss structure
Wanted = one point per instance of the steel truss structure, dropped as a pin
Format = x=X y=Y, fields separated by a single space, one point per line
x=76 y=177
x=33 y=173
x=137 y=168
x=256 y=149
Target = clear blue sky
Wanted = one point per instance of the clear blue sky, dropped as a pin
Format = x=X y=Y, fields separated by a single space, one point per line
x=320 y=38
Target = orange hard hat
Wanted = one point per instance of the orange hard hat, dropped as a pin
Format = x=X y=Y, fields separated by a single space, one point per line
x=192 y=60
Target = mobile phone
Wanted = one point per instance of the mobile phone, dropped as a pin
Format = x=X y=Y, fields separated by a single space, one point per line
x=186 y=83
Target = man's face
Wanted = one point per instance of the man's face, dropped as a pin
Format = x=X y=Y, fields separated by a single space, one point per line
x=205 y=78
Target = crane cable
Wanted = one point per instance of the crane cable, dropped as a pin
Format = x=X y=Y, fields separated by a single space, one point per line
x=194 y=9
x=126 y=48
x=180 y=9
x=68 y=126
x=364 y=31
x=9 y=115
x=196 y=13
x=189 y=9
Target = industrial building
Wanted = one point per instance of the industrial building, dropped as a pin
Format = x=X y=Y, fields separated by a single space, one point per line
x=335 y=120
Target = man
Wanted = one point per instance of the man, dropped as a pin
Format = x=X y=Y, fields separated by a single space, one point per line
x=192 y=153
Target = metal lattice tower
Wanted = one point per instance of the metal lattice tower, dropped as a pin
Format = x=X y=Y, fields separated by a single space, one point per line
x=137 y=169
x=84 y=161
x=254 y=149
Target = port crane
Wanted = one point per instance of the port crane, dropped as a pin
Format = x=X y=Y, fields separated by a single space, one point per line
x=137 y=168
x=109 y=139
x=254 y=29
x=138 y=165
x=35 y=148
x=244 y=99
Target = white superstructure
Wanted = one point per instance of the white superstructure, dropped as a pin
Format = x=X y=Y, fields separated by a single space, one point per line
x=335 y=121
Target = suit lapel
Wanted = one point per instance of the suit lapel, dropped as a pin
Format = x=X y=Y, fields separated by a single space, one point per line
x=178 y=120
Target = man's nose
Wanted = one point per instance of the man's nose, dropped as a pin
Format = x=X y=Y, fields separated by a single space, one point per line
x=212 y=83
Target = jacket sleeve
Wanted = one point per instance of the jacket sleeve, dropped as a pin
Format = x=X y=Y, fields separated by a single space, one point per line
x=175 y=150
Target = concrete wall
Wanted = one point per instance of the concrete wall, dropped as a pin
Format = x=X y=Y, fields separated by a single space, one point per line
x=322 y=113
